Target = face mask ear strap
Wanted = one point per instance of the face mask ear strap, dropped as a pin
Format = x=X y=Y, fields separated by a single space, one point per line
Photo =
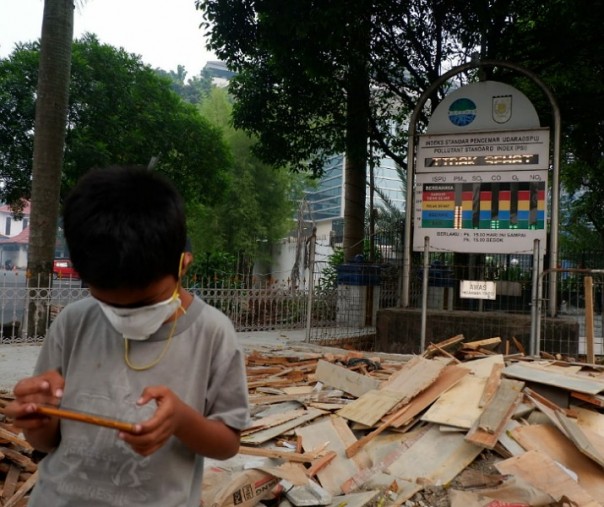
x=181 y=266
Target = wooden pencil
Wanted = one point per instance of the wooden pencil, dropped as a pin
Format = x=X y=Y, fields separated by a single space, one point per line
x=85 y=418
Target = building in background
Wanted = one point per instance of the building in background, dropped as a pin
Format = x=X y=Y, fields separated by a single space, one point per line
x=323 y=208
x=14 y=238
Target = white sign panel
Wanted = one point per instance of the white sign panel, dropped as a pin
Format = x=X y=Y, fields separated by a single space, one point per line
x=482 y=192
x=477 y=289
x=510 y=150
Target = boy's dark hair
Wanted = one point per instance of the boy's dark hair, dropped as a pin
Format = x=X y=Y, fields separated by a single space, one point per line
x=124 y=226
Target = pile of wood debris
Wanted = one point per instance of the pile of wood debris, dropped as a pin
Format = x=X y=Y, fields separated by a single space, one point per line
x=345 y=428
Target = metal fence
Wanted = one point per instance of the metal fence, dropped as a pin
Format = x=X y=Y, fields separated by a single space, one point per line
x=342 y=303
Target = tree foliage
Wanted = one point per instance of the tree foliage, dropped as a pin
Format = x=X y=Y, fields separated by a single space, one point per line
x=119 y=111
x=316 y=79
x=258 y=205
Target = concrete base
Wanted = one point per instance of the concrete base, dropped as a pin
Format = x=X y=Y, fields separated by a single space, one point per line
x=398 y=330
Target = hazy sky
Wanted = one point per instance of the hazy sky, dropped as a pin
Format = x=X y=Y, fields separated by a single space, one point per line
x=165 y=33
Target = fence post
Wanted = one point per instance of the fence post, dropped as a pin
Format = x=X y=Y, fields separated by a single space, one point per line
x=535 y=345
x=589 y=319
x=425 y=292
x=311 y=283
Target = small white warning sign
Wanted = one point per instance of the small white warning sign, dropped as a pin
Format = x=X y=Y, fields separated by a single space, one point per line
x=477 y=289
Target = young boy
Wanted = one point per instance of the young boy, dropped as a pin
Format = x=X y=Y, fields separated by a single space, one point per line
x=141 y=349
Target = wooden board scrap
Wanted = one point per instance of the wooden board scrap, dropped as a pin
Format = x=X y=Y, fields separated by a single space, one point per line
x=570 y=382
x=342 y=378
x=265 y=435
x=549 y=440
x=354 y=500
x=340 y=468
x=450 y=376
x=415 y=375
x=435 y=458
x=371 y=406
x=459 y=405
x=542 y=472
x=589 y=443
x=491 y=423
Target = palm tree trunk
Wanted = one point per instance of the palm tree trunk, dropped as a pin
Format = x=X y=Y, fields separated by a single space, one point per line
x=49 y=142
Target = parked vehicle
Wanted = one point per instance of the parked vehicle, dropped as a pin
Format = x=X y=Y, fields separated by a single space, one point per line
x=62 y=268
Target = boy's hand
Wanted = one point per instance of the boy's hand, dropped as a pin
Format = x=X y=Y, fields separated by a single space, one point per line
x=153 y=433
x=43 y=389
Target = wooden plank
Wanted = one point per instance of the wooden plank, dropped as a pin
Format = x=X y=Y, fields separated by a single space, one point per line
x=589 y=319
x=570 y=382
x=22 y=491
x=450 y=376
x=459 y=405
x=492 y=385
x=589 y=443
x=414 y=377
x=10 y=437
x=589 y=419
x=294 y=457
x=10 y=482
x=549 y=440
x=486 y=343
x=371 y=406
x=435 y=458
x=265 y=435
x=491 y=423
x=542 y=472
x=508 y=443
x=598 y=401
x=273 y=420
x=340 y=468
x=342 y=378
x=445 y=344
x=356 y=446
x=394 y=445
x=482 y=367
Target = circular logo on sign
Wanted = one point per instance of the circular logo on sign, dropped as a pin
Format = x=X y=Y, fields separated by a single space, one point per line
x=462 y=112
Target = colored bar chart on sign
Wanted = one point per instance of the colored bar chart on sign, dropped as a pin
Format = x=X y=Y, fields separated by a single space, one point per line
x=506 y=205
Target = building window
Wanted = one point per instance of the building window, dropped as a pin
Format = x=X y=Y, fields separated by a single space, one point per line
x=7 y=226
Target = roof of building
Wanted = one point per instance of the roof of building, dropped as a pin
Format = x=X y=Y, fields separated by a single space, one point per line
x=19 y=239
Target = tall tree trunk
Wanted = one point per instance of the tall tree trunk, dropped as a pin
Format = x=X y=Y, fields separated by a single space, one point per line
x=357 y=129
x=49 y=143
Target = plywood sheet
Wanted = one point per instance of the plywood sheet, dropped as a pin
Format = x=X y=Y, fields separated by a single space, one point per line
x=415 y=375
x=459 y=406
x=549 y=440
x=265 y=435
x=369 y=408
x=491 y=423
x=342 y=378
x=340 y=468
x=450 y=376
x=436 y=458
x=542 y=472
x=569 y=382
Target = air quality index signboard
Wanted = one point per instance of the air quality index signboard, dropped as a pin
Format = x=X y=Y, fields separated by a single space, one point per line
x=481 y=173
x=482 y=191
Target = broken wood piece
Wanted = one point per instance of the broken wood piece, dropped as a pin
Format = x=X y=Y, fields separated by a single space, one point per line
x=490 y=425
x=570 y=382
x=344 y=379
x=371 y=406
x=358 y=445
x=294 y=457
x=10 y=482
x=22 y=491
x=445 y=353
x=543 y=473
x=489 y=343
x=519 y=347
x=492 y=384
x=442 y=345
x=320 y=463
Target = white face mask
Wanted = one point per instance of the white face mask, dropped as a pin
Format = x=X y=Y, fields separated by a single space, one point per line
x=140 y=323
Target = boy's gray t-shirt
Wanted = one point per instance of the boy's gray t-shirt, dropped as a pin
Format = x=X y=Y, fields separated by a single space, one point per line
x=204 y=366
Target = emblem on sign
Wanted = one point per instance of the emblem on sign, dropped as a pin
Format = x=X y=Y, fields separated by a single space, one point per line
x=502 y=108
